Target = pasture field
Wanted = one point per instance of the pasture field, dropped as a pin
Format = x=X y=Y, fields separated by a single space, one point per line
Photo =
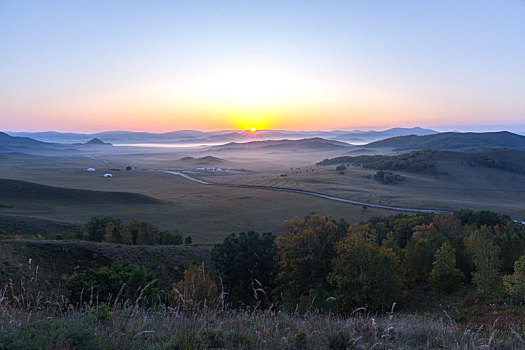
x=454 y=186
x=208 y=213
x=205 y=212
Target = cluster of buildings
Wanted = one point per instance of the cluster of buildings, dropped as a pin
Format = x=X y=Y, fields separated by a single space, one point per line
x=213 y=170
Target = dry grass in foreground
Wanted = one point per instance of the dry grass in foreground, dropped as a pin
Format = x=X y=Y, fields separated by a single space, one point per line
x=28 y=321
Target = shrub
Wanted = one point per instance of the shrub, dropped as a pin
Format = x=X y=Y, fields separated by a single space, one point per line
x=106 y=282
x=388 y=177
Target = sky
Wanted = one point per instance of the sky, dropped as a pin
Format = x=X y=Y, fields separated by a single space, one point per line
x=96 y=65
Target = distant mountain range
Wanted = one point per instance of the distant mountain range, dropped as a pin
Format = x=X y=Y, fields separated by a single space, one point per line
x=453 y=141
x=19 y=144
x=8 y=140
x=331 y=141
x=214 y=137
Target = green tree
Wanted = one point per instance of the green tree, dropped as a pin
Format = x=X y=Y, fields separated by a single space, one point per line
x=170 y=238
x=515 y=284
x=386 y=280
x=306 y=250
x=144 y=232
x=485 y=255
x=96 y=227
x=354 y=267
x=247 y=263
x=419 y=255
x=445 y=277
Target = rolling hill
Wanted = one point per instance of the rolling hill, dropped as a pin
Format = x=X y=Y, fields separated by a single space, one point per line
x=425 y=161
x=27 y=145
x=453 y=141
x=8 y=140
x=33 y=191
x=311 y=144
x=373 y=135
x=58 y=259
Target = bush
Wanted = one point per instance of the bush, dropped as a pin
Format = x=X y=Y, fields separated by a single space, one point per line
x=105 y=283
x=388 y=177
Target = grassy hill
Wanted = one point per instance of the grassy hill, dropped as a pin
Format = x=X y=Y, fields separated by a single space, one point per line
x=58 y=260
x=7 y=140
x=28 y=190
x=315 y=143
x=425 y=161
x=418 y=161
x=453 y=141
x=20 y=225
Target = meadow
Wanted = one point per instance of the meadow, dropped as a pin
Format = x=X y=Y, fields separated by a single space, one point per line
x=209 y=213
x=205 y=212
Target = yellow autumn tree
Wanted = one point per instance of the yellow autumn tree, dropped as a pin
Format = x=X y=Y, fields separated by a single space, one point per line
x=125 y=236
x=195 y=290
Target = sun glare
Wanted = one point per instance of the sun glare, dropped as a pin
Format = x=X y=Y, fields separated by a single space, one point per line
x=253 y=129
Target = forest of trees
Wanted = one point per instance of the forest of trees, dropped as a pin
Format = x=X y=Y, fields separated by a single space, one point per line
x=111 y=230
x=319 y=264
x=417 y=161
x=322 y=264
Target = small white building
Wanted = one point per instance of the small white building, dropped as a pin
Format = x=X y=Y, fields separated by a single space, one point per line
x=200 y=169
x=108 y=175
x=90 y=169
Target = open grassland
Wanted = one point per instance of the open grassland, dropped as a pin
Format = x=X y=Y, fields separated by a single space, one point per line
x=207 y=213
x=455 y=185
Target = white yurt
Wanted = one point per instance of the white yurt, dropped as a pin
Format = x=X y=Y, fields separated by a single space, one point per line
x=90 y=169
x=108 y=175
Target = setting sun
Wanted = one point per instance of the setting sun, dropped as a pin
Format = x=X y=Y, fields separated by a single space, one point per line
x=253 y=129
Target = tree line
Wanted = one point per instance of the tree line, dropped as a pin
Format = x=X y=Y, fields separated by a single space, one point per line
x=112 y=230
x=318 y=263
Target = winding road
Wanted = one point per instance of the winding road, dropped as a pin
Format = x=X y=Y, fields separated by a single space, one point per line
x=308 y=193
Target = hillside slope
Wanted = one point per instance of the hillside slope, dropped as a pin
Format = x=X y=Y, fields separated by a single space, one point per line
x=312 y=144
x=454 y=141
x=29 y=190
x=57 y=260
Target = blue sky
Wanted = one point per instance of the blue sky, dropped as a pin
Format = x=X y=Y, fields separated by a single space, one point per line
x=166 y=65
